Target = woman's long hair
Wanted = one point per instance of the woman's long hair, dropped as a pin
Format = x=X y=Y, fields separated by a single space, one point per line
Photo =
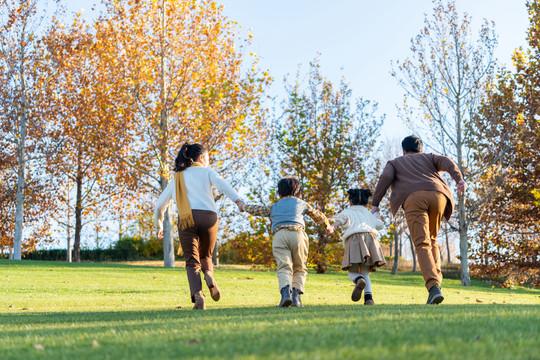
x=187 y=155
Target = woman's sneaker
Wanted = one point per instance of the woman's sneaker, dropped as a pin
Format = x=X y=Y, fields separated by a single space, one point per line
x=200 y=304
x=212 y=286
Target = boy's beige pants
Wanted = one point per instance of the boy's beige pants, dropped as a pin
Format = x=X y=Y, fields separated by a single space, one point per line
x=290 y=249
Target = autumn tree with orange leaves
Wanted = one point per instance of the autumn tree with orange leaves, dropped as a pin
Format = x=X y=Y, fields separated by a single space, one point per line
x=88 y=121
x=183 y=63
x=507 y=133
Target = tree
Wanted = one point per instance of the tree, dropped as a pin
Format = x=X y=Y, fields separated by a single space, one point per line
x=508 y=138
x=88 y=124
x=396 y=224
x=446 y=77
x=183 y=65
x=326 y=142
x=21 y=86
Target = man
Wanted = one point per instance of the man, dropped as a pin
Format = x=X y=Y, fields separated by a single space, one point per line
x=417 y=186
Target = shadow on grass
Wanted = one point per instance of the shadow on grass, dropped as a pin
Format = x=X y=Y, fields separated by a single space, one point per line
x=268 y=332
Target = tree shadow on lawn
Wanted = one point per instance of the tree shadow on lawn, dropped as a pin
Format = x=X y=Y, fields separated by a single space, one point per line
x=270 y=332
x=263 y=313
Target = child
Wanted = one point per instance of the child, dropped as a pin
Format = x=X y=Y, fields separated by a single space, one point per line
x=362 y=249
x=290 y=244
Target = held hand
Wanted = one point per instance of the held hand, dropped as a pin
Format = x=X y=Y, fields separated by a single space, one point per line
x=461 y=186
x=329 y=230
x=375 y=209
x=160 y=234
x=240 y=203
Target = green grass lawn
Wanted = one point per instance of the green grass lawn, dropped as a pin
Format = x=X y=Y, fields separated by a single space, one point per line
x=109 y=311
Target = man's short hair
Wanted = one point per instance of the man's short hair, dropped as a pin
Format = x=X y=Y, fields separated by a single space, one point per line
x=289 y=187
x=412 y=144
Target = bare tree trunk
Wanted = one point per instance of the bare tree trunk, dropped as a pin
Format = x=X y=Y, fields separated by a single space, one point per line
x=463 y=240
x=21 y=147
x=120 y=228
x=447 y=242
x=78 y=212
x=322 y=266
x=463 y=243
x=17 y=242
x=68 y=250
x=168 y=246
x=215 y=255
x=396 y=253
x=413 y=252
x=400 y=246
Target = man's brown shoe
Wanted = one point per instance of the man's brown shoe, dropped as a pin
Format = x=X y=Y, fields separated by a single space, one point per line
x=199 y=301
x=212 y=286
x=358 y=288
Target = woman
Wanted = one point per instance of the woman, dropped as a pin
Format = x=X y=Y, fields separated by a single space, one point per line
x=191 y=189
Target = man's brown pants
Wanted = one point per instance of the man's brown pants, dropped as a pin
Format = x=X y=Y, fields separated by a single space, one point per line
x=424 y=212
x=198 y=245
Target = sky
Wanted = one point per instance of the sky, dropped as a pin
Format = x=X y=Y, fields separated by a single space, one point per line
x=356 y=39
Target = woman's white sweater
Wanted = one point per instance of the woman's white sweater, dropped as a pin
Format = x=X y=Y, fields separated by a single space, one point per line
x=199 y=182
x=358 y=218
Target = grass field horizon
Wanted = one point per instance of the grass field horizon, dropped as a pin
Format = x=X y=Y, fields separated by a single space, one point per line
x=107 y=310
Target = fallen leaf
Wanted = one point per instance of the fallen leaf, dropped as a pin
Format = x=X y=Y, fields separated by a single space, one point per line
x=25 y=308
x=178 y=307
x=466 y=297
x=39 y=347
x=10 y=306
x=95 y=343
x=249 y=278
x=154 y=277
x=479 y=301
x=194 y=341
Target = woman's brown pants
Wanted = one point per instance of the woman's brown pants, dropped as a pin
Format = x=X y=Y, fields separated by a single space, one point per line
x=198 y=245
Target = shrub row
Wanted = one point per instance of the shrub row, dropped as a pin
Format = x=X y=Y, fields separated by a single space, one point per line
x=128 y=248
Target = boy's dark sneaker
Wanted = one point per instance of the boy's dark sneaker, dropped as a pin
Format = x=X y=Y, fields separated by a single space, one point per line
x=369 y=302
x=435 y=295
x=358 y=288
x=296 y=301
x=286 y=300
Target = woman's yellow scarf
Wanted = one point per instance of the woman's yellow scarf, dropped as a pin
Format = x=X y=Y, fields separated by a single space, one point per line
x=185 y=217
